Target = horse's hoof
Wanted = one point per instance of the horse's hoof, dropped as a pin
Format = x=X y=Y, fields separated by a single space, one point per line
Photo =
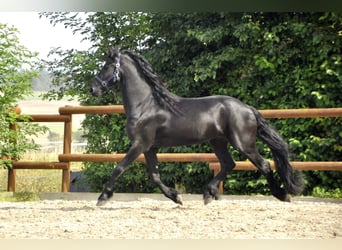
x=104 y=197
x=282 y=195
x=179 y=199
x=173 y=195
x=101 y=202
x=211 y=194
x=207 y=198
x=217 y=197
x=287 y=198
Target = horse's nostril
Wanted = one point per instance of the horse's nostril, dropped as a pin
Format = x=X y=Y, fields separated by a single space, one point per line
x=95 y=92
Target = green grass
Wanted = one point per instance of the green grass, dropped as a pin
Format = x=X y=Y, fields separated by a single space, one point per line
x=30 y=183
x=19 y=197
x=34 y=181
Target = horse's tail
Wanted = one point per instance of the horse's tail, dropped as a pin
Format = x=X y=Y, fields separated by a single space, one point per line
x=293 y=181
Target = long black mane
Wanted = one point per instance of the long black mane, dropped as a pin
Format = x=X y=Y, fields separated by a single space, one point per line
x=161 y=94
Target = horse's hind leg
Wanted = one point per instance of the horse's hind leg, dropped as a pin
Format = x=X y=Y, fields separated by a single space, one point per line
x=227 y=164
x=264 y=167
x=151 y=161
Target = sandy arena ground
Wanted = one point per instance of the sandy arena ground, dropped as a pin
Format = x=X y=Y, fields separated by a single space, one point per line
x=148 y=217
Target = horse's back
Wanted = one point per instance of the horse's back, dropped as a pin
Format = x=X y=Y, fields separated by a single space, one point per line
x=229 y=114
x=215 y=105
x=202 y=119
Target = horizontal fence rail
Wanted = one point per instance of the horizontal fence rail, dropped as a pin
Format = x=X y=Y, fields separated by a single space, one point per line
x=50 y=118
x=297 y=165
x=267 y=113
x=40 y=165
x=301 y=113
x=110 y=109
x=197 y=157
x=65 y=116
x=162 y=157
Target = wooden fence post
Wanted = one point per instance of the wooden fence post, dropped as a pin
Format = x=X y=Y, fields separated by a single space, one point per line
x=67 y=150
x=11 y=180
x=11 y=176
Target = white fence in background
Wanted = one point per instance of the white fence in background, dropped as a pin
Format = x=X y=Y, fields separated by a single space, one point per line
x=51 y=150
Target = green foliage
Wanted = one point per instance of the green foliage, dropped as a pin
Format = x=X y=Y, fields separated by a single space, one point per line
x=322 y=192
x=17 y=68
x=268 y=60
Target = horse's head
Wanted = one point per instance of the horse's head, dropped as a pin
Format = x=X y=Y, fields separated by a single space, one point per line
x=109 y=74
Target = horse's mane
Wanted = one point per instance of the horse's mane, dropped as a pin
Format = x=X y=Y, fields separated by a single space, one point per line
x=161 y=94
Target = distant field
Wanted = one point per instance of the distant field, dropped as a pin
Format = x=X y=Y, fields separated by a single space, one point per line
x=50 y=150
x=37 y=106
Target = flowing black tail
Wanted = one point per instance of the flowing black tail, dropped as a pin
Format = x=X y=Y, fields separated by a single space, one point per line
x=293 y=181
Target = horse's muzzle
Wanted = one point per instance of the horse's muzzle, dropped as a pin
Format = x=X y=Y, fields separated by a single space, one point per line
x=95 y=92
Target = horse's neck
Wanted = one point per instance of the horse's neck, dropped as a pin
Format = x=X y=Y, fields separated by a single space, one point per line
x=135 y=93
x=138 y=96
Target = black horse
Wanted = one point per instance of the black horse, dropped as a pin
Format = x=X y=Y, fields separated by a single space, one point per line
x=158 y=118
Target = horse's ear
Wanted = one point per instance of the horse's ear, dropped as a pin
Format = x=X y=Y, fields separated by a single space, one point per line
x=113 y=52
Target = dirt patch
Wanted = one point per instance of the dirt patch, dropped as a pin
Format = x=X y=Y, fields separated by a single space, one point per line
x=149 y=218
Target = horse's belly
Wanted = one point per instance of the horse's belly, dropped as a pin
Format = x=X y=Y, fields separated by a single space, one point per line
x=173 y=141
x=187 y=135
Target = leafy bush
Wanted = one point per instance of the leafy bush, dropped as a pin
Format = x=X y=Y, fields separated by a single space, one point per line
x=17 y=68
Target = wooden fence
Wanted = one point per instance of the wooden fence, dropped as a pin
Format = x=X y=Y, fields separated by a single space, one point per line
x=64 y=159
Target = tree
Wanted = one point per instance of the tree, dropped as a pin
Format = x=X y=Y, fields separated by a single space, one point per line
x=17 y=68
x=268 y=60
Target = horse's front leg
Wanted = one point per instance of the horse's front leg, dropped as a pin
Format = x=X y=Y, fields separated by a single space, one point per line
x=132 y=154
x=151 y=161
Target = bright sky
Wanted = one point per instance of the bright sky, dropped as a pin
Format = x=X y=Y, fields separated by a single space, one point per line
x=38 y=35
